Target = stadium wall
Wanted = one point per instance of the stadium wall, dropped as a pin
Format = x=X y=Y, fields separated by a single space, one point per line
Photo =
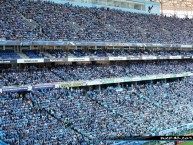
x=155 y=9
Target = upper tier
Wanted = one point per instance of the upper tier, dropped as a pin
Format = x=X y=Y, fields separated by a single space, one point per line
x=49 y=21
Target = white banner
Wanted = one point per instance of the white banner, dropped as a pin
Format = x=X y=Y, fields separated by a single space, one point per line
x=176 y=57
x=30 y=60
x=79 y=59
x=186 y=46
x=149 y=57
x=117 y=58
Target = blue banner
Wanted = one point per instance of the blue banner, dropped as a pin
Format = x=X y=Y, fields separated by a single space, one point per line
x=43 y=86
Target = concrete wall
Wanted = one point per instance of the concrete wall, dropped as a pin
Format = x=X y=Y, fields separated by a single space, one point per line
x=155 y=9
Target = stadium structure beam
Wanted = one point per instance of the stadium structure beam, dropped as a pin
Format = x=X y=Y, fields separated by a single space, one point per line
x=185 y=7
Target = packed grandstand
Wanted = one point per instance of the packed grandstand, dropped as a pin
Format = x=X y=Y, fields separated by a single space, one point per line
x=92 y=94
x=66 y=22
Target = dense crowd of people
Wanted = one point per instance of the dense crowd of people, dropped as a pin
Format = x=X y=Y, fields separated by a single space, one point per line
x=38 y=117
x=81 y=52
x=151 y=108
x=61 y=73
x=73 y=23
x=23 y=122
x=91 y=115
x=116 y=52
x=30 y=75
x=13 y=25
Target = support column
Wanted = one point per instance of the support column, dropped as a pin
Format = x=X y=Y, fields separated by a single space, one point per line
x=100 y=87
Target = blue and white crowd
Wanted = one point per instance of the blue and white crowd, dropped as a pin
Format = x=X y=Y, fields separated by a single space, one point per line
x=23 y=122
x=88 y=115
x=81 y=52
x=34 y=74
x=129 y=110
x=65 y=22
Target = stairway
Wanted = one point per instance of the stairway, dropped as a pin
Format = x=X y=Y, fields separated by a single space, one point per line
x=102 y=105
x=66 y=124
x=31 y=23
x=74 y=26
x=110 y=28
x=153 y=103
x=23 y=55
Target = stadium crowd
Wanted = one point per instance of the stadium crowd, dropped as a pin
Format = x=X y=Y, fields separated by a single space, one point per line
x=81 y=52
x=150 y=108
x=13 y=26
x=85 y=115
x=117 y=52
x=97 y=114
x=23 y=122
x=59 y=73
x=73 y=23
